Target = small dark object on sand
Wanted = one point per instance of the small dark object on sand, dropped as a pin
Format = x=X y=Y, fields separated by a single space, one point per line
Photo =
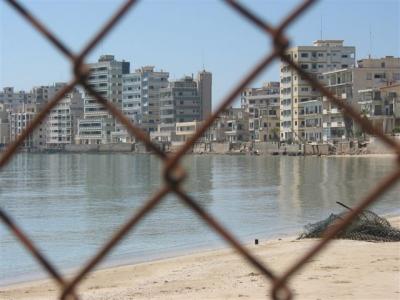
x=367 y=226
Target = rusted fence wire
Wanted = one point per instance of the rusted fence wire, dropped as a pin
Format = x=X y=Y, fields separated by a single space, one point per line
x=173 y=173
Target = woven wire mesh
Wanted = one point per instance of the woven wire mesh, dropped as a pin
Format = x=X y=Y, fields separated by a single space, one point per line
x=173 y=173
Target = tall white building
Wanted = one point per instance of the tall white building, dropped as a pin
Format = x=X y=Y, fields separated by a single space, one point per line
x=98 y=124
x=62 y=121
x=141 y=98
x=322 y=56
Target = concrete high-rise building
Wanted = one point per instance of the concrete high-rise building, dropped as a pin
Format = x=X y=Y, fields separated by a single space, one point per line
x=43 y=94
x=262 y=106
x=62 y=121
x=11 y=98
x=20 y=117
x=105 y=77
x=180 y=102
x=346 y=84
x=141 y=98
x=4 y=126
x=204 y=85
x=322 y=56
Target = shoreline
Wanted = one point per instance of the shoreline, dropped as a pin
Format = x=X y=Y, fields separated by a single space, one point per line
x=373 y=273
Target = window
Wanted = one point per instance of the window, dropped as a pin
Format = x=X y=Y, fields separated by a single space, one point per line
x=369 y=76
x=379 y=75
x=304 y=66
x=396 y=76
x=304 y=54
x=320 y=54
x=344 y=56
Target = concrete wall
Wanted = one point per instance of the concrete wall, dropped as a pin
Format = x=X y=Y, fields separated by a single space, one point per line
x=321 y=149
x=266 y=148
x=99 y=148
x=220 y=148
x=115 y=148
x=81 y=148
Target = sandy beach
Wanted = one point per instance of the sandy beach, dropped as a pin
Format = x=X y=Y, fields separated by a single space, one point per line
x=346 y=270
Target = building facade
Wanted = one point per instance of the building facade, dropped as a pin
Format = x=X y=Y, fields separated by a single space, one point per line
x=322 y=56
x=62 y=121
x=204 y=85
x=141 y=98
x=180 y=101
x=262 y=106
x=346 y=85
x=98 y=125
x=19 y=118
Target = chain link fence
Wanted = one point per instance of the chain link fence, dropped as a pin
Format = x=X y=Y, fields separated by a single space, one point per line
x=174 y=174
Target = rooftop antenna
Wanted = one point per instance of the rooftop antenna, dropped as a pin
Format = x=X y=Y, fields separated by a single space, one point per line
x=202 y=58
x=321 y=28
x=370 y=41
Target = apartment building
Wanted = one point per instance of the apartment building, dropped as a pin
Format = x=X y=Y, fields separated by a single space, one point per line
x=346 y=84
x=62 y=121
x=322 y=56
x=382 y=106
x=98 y=124
x=184 y=131
x=4 y=125
x=262 y=105
x=180 y=101
x=311 y=112
x=11 y=98
x=141 y=98
x=43 y=94
x=19 y=118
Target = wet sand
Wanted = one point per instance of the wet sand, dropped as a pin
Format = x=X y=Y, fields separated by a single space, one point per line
x=345 y=270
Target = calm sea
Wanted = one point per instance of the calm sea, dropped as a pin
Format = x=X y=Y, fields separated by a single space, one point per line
x=70 y=204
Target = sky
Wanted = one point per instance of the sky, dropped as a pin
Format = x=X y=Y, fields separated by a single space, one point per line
x=182 y=36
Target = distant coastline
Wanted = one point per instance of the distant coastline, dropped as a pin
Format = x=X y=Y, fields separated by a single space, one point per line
x=371 y=149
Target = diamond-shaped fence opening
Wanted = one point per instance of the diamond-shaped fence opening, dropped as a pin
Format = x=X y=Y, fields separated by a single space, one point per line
x=174 y=174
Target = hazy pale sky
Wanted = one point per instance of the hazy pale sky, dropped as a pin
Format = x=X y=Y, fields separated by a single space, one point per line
x=180 y=36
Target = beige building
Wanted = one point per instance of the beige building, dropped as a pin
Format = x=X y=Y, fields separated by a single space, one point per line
x=184 y=131
x=322 y=56
x=19 y=119
x=382 y=107
x=311 y=112
x=62 y=121
x=346 y=84
x=262 y=105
